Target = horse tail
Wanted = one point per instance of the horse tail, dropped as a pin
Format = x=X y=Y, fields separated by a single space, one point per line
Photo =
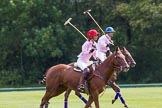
x=43 y=80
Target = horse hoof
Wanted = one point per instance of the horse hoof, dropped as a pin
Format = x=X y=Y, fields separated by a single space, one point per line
x=113 y=101
x=125 y=106
x=41 y=107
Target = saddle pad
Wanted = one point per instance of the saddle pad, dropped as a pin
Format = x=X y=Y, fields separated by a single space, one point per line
x=77 y=69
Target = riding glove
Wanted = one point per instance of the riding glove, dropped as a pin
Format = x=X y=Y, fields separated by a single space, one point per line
x=91 y=50
x=108 y=45
x=108 y=53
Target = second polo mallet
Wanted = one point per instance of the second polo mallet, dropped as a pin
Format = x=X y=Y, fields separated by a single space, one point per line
x=68 y=22
x=88 y=12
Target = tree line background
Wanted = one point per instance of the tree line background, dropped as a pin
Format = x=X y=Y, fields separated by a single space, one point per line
x=33 y=36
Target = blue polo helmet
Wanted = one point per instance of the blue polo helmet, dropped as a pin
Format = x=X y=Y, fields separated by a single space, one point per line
x=109 y=30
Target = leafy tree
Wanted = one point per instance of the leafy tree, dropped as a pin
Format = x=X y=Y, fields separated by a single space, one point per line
x=33 y=37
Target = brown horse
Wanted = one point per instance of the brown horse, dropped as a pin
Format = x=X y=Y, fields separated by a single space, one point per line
x=111 y=83
x=61 y=77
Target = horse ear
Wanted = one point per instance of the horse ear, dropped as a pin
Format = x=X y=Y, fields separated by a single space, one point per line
x=124 y=48
x=117 y=48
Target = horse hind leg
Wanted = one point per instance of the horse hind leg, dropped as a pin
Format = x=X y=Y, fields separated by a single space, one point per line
x=81 y=97
x=89 y=102
x=116 y=88
x=51 y=93
x=46 y=105
x=45 y=99
x=66 y=95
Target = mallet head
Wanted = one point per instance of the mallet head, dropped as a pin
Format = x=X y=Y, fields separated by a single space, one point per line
x=87 y=11
x=68 y=21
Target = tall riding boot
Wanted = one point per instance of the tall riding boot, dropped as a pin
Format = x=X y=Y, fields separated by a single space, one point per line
x=82 y=80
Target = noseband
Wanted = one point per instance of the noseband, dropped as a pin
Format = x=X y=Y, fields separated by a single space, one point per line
x=122 y=65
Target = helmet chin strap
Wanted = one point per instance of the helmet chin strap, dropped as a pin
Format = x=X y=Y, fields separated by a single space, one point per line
x=93 y=40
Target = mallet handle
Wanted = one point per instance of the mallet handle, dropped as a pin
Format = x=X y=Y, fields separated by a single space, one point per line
x=78 y=31
x=96 y=22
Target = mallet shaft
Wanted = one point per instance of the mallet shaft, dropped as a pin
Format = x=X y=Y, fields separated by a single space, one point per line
x=96 y=22
x=78 y=31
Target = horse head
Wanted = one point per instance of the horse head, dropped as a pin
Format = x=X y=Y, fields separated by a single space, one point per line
x=128 y=57
x=116 y=61
x=120 y=60
x=113 y=63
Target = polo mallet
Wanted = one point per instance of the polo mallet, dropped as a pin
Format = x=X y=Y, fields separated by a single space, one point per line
x=68 y=22
x=88 y=12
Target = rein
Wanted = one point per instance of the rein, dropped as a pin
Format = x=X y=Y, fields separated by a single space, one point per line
x=128 y=57
x=100 y=74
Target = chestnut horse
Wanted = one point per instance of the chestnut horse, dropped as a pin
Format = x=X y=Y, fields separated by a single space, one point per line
x=61 y=77
x=111 y=83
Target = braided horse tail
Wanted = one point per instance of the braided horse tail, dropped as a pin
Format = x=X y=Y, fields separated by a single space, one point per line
x=44 y=76
x=43 y=80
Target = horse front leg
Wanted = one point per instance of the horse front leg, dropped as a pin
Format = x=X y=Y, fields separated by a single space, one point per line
x=116 y=88
x=95 y=99
x=89 y=102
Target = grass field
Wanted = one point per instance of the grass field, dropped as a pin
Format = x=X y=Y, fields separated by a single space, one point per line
x=147 y=97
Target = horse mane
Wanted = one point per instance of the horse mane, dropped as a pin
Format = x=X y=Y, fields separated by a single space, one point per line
x=101 y=68
x=107 y=67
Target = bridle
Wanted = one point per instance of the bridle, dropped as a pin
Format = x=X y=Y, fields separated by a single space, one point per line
x=129 y=58
x=120 y=66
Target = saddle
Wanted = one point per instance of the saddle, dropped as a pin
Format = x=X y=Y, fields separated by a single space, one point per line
x=76 y=68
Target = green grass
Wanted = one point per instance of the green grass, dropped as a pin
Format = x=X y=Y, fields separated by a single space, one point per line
x=150 y=97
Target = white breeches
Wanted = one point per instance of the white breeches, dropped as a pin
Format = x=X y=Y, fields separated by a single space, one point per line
x=101 y=55
x=82 y=64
